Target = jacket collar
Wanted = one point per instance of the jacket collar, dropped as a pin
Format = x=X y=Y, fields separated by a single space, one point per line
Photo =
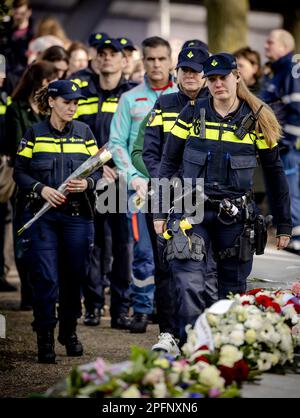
x=282 y=62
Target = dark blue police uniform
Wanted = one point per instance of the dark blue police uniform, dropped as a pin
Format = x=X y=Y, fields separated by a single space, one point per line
x=210 y=149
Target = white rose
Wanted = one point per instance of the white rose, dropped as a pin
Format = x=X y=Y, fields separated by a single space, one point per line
x=237 y=337
x=229 y=355
x=250 y=336
x=210 y=376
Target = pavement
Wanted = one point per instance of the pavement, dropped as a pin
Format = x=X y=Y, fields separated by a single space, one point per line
x=20 y=375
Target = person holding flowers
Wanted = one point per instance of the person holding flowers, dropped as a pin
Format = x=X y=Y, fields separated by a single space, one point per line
x=60 y=242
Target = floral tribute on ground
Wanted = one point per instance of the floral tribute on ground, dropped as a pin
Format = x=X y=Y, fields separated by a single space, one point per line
x=233 y=341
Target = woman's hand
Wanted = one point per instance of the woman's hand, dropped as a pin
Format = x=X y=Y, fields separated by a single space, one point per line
x=282 y=241
x=109 y=174
x=77 y=186
x=52 y=196
x=160 y=227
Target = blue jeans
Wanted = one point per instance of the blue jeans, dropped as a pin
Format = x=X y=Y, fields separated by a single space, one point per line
x=142 y=285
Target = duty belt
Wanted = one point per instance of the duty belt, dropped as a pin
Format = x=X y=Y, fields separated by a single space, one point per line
x=239 y=202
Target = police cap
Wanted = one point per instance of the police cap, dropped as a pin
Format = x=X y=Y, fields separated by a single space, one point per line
x=195 y=43
x=192 y=58
x=110 y=43
x=66 y=89
x=127 y=43
x=219 y=64
x=96 y=38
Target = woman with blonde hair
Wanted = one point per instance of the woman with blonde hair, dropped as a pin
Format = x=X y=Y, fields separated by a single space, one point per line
x=217 y=139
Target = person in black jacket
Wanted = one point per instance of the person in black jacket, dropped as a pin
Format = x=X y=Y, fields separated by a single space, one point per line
x=60 y=242
x=212 y=141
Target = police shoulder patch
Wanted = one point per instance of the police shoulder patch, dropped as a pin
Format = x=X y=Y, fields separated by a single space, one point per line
x=22 y=145
x=151 y=117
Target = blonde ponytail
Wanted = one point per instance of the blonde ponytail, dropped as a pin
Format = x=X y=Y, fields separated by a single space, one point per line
x=267 y=123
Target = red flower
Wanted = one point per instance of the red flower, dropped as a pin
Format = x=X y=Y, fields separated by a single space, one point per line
x=227 y=373
x=241 y=370
x=202 y=358
x=264 y=301
x=276 y=307
x=254 y=291
x=246 y=302
x=238 y=373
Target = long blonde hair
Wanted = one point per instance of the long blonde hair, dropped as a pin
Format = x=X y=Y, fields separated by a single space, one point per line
x=267 y=123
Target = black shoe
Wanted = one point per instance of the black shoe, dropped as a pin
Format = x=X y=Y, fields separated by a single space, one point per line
x=74 y=347
x=5 y=286
x=92 y=318
x=121 y=322
x=139 y=323
x=45 y=342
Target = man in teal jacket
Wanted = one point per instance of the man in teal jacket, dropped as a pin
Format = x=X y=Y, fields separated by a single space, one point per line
x=133 y=107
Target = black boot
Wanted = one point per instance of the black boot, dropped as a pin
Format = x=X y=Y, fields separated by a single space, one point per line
x=5 y=286
x=67 y=336
x=92 y=317
x=45 y=343
x=139 y=323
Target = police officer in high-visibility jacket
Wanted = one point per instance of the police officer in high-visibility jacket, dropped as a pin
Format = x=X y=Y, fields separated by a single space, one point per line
x=217 y=139
x=60 y=242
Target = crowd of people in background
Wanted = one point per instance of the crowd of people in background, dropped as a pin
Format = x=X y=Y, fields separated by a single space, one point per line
x=123 y=88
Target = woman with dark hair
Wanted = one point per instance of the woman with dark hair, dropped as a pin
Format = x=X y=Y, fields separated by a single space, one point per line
x=60 y=242
x=20 y=115
x=249 y=66
x=78 y=57
x=59 y=57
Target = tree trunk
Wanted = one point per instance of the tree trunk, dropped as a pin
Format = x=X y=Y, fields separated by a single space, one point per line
x=227 y=24
x=291 y=22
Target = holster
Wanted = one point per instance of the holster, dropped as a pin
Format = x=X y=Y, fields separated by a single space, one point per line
x=261 y=234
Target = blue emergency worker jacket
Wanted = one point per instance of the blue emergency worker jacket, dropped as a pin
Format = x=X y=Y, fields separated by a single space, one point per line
x=97 y=111
x=226 y=162
x=281 y=90
x=46 y=157
x=160 y=123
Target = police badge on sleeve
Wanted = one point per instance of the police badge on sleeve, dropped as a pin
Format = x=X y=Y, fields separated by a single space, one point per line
x=22 y=145
x=151 y=117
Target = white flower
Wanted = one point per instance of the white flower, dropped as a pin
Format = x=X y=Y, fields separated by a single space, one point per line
x=131 y=392
x=160 y=390
x=250 y=336
x=290 y=313
x=264 y=361
x=213 y=320
x=237 y=337
x=210 y=376
x=268 y=335
x=254 y=321
x=229 y=355
x=153 y=376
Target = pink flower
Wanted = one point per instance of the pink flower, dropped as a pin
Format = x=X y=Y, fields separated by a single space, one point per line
x=86 y=377
x=214 y=393
x=100 y=367
x=296 y=288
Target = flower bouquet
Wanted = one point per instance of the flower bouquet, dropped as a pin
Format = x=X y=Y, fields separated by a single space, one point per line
x=148 y=374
